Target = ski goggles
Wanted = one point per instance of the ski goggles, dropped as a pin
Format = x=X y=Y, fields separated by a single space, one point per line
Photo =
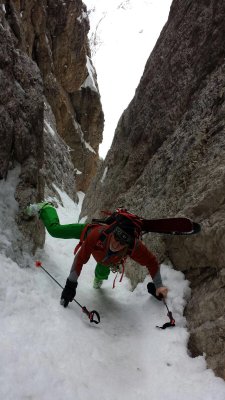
x=121 y=236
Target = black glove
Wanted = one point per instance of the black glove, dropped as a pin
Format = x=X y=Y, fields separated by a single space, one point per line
x=68 y=293
x=152 y=290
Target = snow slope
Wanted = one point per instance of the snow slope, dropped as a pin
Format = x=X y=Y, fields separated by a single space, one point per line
x=51 y=353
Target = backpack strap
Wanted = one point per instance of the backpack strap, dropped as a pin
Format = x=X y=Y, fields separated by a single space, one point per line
x=122 y=273
x=88 y=228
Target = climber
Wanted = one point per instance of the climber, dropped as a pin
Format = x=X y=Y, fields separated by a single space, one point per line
x=108 y=245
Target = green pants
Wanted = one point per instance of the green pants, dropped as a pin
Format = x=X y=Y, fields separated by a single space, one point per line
x=102 y=272
x=50 y=218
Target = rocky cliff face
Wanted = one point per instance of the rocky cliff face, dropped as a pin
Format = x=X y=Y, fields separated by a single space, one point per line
x=21 y=122
x=51 y=118
x=54 y=34
x=167 y=159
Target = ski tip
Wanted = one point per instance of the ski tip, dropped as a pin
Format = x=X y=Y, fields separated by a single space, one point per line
x=196 y=227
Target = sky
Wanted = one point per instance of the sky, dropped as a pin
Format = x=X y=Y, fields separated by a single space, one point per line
x=126 y=32
x=51 y=353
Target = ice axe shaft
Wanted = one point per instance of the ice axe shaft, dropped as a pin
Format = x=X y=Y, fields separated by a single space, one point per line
x=38 y=264
x=90 y=314
x=152 y=290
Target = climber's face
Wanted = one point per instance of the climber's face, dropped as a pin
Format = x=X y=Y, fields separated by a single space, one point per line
x=115 y=244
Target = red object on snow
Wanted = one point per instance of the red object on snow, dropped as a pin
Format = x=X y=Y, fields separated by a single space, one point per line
x=38 y=264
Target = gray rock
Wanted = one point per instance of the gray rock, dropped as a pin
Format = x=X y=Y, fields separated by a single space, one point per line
x=44 y=51
x=21 y=128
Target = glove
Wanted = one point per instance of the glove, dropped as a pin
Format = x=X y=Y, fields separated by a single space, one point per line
x=162 y=292
x=152 y=290
x=68 y=293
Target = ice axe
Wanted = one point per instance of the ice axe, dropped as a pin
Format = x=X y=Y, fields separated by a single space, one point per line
x=90 y=314
x=152 y=290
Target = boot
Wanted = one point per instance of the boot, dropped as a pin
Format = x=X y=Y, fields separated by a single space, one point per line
x=33 y=209
x=97 y=283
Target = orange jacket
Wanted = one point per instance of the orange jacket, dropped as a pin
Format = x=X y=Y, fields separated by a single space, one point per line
x=98 y=249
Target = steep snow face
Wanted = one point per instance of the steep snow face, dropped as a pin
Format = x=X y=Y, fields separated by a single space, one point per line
x=48 y=352
x=122 y=36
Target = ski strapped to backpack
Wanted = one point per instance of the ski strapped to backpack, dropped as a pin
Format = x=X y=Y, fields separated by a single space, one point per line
x=123 y=218
x=171 y=226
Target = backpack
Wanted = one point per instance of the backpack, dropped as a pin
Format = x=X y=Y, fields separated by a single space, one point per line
x=122 y=218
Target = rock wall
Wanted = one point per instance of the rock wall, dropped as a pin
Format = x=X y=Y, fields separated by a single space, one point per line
x=58 y=169
x=21 y=123
x=54 y=34
x=167 y=159
x=51 y=118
